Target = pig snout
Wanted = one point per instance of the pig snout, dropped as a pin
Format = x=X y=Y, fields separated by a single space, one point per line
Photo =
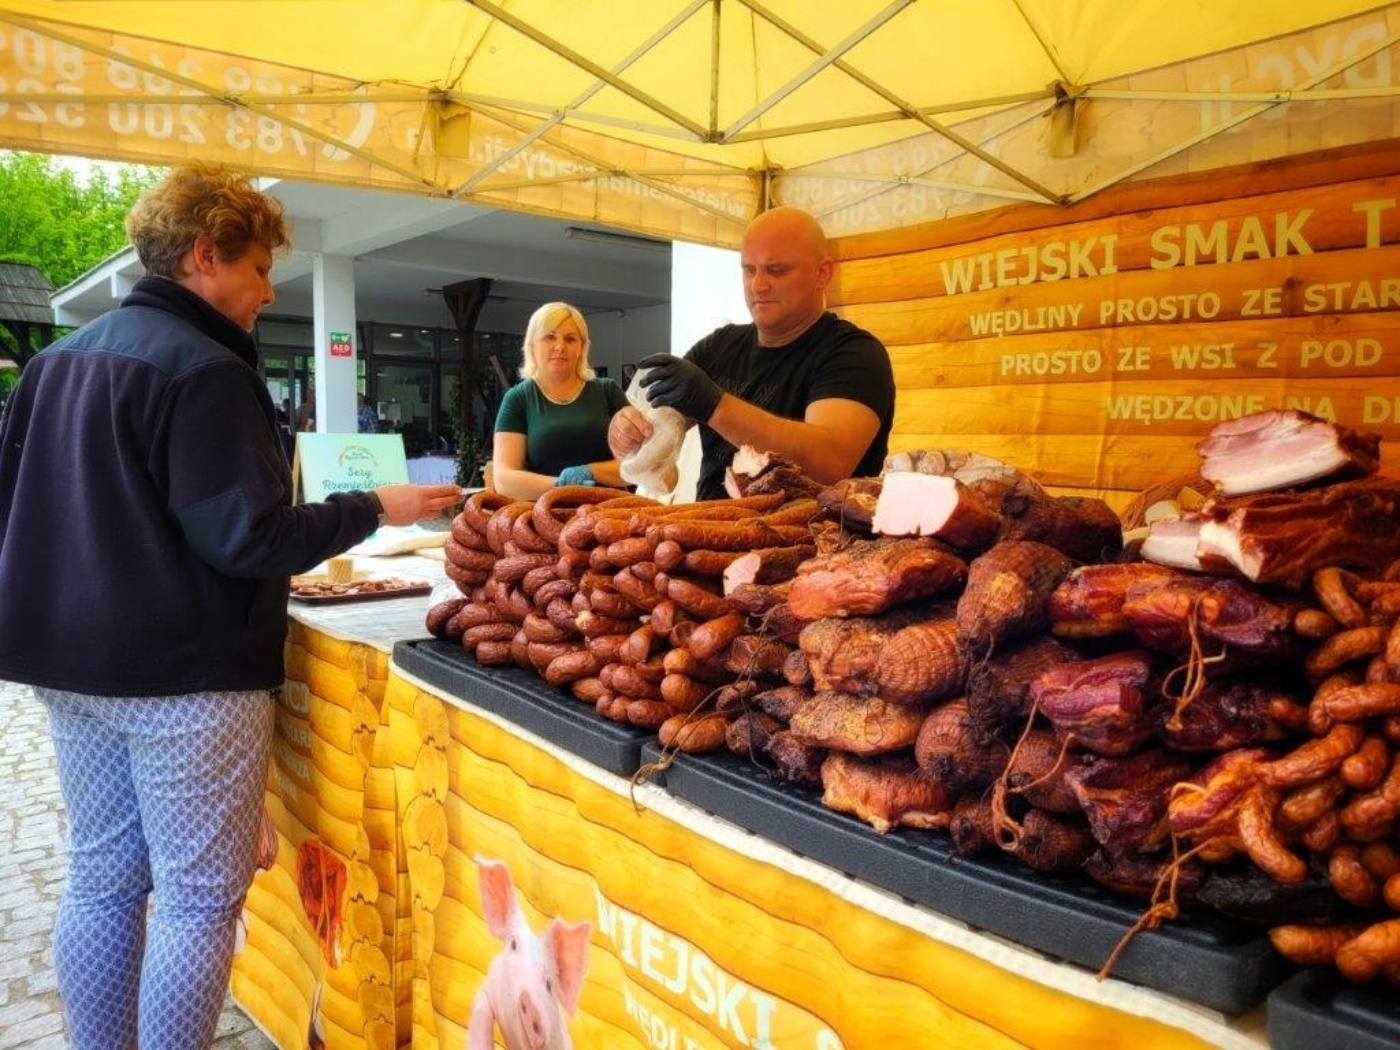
x=534 y=1021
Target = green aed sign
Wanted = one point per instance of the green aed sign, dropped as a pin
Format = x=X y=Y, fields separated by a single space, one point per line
x=341 y=345
x=346 y=462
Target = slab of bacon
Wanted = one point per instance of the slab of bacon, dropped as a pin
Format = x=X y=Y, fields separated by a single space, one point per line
x=1281 y=449
x=1283 y=537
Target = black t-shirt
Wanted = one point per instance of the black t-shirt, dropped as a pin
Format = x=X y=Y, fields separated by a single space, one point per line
x=833 y=358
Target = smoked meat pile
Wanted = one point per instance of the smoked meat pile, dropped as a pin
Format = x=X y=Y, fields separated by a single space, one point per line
x=1208 y=717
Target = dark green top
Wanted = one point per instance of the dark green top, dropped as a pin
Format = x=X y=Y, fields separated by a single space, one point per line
x=559 y=436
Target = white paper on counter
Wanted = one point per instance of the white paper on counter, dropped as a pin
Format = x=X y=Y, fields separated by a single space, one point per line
x=399 y=539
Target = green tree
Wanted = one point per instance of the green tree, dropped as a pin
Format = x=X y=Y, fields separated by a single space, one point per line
x=54 y=221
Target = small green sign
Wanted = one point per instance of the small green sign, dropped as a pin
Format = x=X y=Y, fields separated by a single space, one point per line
x=341 y=345
x=346 y=462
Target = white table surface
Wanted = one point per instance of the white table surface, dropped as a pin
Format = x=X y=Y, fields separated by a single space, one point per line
x=379 y=622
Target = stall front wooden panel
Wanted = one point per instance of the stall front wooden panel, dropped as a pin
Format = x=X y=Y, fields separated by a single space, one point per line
x=701 y=936
x=326 y=931
x=390 y=795
x=1093 y=346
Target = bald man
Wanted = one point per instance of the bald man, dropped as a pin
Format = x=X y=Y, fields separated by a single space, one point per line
x=798 y=381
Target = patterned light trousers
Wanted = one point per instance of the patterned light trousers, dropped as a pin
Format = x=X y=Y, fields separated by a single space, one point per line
x=163 y=796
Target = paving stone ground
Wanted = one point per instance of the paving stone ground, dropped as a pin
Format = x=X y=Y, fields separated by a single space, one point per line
x=32 y=828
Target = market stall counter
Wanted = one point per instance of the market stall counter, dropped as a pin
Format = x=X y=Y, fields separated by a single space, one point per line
x=325 y=927
x=434 y=818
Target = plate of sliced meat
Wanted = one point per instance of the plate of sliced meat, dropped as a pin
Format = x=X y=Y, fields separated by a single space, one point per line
x=316 y=589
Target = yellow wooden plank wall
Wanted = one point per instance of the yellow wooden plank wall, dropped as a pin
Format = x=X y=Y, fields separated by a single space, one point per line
x=1095 y=345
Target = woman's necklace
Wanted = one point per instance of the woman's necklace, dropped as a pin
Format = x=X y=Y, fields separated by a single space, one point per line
x=556 y=401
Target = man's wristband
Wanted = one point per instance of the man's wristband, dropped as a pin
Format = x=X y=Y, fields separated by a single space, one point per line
x=378 y=508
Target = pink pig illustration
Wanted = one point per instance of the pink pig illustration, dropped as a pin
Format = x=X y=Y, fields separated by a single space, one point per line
x=534 y=980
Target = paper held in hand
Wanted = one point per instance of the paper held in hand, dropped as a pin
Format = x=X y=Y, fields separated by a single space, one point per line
x=327 y=463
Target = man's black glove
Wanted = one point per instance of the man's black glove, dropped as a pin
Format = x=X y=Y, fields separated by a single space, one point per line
x=674 y=382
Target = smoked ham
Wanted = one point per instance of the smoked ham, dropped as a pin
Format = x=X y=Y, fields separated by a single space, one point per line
x=794 y=762
x=886 y=792
x=858 y=725
x=1050 y=842
x=1008 y=594
x=1227 y=714
x=1037 y=771
x=1088 y=603
x=953 y=751
x=871 y=576
x=753 y=472
x=999 y=687
x=851 y=502
x=921 y=663
x=1084 y=529
x=1125 y=799
x=844 y=652
x=1220 y=616
x=767 y=565
x=912 y=504
x=1105 y=705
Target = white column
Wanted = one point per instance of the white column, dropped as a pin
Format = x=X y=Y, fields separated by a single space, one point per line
x=333 y=313
x=707 y=290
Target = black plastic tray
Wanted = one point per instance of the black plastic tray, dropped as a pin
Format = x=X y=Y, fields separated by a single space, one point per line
x=527 y=700
x=1318 y=1010
x=1205 y=958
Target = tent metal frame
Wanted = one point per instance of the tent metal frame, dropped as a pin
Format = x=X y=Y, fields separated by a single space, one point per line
x=536 y=122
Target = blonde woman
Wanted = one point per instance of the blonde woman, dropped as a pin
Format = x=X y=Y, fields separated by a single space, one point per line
x=552 y=428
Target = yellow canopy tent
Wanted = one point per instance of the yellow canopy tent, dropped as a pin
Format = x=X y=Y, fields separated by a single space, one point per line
x=681 y=118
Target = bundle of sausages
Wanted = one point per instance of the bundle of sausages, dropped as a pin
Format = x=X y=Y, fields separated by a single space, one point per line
x=1336 y=797
x=619 y=598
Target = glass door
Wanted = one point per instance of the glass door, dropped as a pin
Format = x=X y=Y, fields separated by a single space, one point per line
x=404 y=398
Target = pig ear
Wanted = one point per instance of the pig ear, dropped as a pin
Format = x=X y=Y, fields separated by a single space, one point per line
x=497 y=897
x=567 y=945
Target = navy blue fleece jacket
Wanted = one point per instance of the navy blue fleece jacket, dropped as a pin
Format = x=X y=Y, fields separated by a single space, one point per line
x=146 y=523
